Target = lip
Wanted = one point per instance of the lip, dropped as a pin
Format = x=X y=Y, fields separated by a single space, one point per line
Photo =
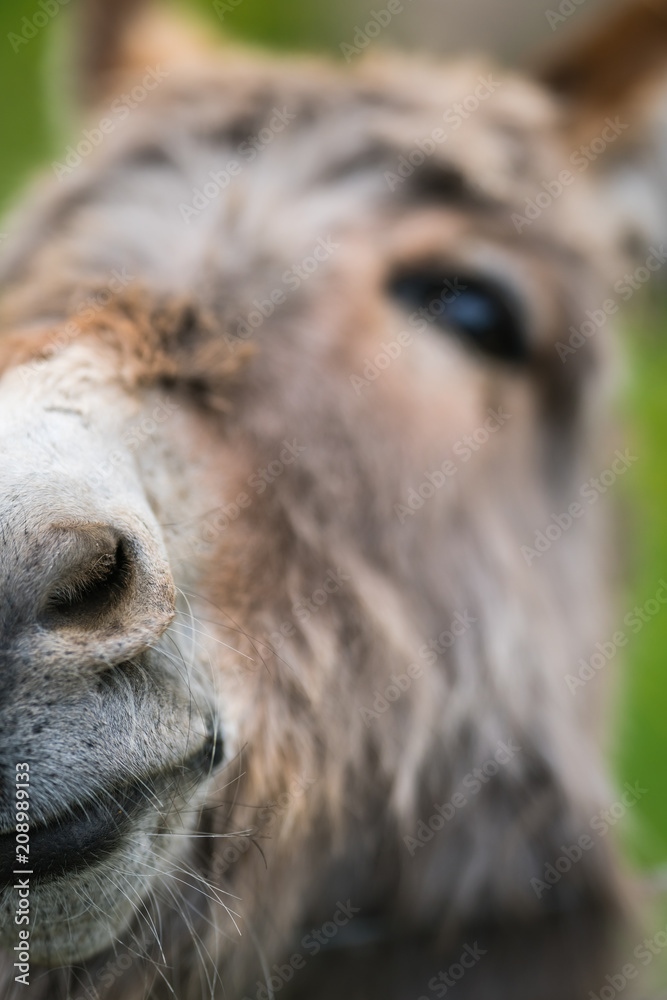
x=91 y=831
x=88 y=833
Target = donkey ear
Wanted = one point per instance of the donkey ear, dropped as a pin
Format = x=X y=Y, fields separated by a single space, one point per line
x=117 y=40
x=612 y=82
x=613 y=68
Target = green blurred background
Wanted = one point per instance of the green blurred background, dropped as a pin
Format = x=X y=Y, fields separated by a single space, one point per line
x=33 y=129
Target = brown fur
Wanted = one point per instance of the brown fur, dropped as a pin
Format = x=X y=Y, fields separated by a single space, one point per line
x=352 y=791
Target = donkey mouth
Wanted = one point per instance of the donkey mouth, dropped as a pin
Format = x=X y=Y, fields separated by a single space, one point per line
x=90 y=831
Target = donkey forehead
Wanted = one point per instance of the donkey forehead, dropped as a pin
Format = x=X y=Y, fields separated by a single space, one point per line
x=314 y=147
x=222 y=170
x=388 y=103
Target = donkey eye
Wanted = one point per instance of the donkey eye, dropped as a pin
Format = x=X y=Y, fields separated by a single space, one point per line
x=479 y=311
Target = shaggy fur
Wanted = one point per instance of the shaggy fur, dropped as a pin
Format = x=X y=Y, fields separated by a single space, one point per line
x=319 y=787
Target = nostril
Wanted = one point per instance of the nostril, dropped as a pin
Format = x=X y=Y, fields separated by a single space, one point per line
x=95 y=580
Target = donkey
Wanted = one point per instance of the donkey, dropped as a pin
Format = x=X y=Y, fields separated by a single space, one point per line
x=298 y=552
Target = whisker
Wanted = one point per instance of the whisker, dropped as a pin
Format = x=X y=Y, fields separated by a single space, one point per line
x=219 y=641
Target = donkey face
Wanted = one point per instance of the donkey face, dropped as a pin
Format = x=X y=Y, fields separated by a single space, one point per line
x=282 y=410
